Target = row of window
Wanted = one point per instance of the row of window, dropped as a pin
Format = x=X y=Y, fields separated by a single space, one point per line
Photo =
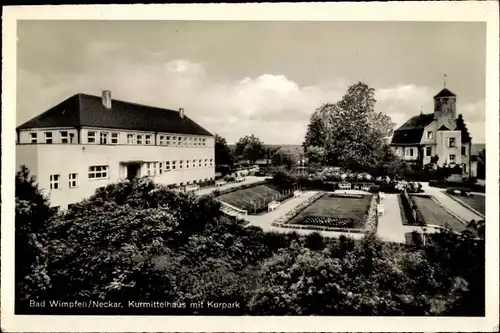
x=105 y=138
x=157 y=168
x=95 y=172
x=428 y=151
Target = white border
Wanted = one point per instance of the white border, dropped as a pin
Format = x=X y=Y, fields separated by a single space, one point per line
x=486 y=11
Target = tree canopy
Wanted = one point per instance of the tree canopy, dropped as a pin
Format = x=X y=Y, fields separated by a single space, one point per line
x=223 y=153
x=136 y=240
x=351 y=132
x=283 y=157
x=250 y=148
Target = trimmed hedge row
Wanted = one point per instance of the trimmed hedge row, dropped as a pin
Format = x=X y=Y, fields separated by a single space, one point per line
x=412 y=213
x=471 y=187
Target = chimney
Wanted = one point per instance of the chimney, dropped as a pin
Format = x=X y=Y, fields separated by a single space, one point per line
x=181 y=112
x=106 y=99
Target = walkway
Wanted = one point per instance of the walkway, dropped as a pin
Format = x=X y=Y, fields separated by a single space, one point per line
x=248 y=180
x=456 y=208
x=264 y=220
x=390 y=225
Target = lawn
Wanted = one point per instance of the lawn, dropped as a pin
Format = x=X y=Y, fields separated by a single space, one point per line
x=351 y=210
x=433 y=213
x=478 y=202
x=261 y=194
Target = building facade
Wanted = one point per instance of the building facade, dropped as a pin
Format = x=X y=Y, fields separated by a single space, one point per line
x=439 y=137
x=87 y=142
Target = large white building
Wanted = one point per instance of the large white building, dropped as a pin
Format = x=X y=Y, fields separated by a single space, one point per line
x=440 y=134
x=86 y=142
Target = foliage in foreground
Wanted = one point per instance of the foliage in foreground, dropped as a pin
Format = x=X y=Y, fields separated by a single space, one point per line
x=139 y=241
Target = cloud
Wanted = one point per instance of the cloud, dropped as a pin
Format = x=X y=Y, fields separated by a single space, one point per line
x=274 y=107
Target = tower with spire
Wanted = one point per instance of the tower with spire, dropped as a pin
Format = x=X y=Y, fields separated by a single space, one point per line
x=438 y=136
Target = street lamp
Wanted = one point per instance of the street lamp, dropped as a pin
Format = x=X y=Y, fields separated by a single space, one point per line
x=424 y=230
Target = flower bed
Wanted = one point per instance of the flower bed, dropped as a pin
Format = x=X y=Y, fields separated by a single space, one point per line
x=325 y=223
x=328 y=221
x=346 y=195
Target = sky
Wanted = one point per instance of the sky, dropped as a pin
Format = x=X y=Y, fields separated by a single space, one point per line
x=261 y=78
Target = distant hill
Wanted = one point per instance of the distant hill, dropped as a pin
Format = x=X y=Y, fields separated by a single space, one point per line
x=475 y=148
x=294 y=148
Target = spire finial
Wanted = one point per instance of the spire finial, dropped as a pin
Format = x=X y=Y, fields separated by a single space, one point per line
x=444 y=79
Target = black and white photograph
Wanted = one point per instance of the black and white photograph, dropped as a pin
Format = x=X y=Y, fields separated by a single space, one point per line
x=226 y=168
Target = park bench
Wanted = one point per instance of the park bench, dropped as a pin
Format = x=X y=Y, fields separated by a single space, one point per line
x=272 y=205
x=297 y=193
x=345 y=186
x=380 y=210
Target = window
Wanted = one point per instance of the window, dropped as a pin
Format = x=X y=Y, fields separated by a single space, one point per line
x=451 y=142
x=114 y=138
x=148 y=139
x=194 y=163
x=64 y=136
x=428 y=151
x=162 y=140
x=168 y=140
x=98 y=172
x=429 y=134
x=180 y=140
x=167 y=166
x=464 y=151
x=180 y=164
x=195 y=141
x=204 y=142
x=464 y=166
x=33 y=138
x=73 y=180
x=104 y=138
x=71 y=137
x=54 y=182
x=91 y=137
x=139 y=139
x=187 y=164
x=48 y=137
x=130 y=139
x=206 y=162
x=452 y=158
x=173 y=165
x=211 y=162
x=155 y=169
x=199 y=163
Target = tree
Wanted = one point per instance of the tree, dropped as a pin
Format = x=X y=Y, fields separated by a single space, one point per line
x=32 y=216
x=249 y=148
x=285 y=157
x=108 y=246
x=316 y=155
x=352 y=133
x=223 y=153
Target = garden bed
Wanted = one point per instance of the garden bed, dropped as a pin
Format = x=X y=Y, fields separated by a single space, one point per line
x=254 y=199
x=346 y=195
x=339 y=212
x=476 y=202
x=434 y=214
